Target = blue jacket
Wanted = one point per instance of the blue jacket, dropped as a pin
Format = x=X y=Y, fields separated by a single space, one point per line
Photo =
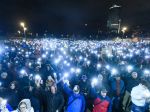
x=78 y=105
x=114 y=87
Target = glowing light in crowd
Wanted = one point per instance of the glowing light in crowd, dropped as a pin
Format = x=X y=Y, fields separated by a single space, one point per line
x=66 y=75
x=44 y=56
x=147 y=57
x=146 y=71
x=0 y=84
x=114 y=71
x=30 y=64
x=72 y=70
x=55 y=75
x=39 y=59
x=78 y=70
x=129 y=68
x=37 y=77
x=13 y=49
x=99 y=66
x=22 y=71
x=80 y=57
x=88 y=62
x=94 y=81
x=107 y=67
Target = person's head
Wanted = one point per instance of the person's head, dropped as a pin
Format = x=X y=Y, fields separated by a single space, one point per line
x=76 y=89
x=13 y=85
x=48 y=67
x=84 y=78
x=144 y=83
x=100 y=77
x=4 y=75
x=23 y=107
x=134 y=75
x=103 y=92
x=53 y=89
x=118 y=77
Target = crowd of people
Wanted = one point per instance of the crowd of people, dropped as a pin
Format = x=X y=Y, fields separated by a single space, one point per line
x=62 y=75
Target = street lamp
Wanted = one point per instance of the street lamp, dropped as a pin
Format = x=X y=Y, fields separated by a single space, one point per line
x=124 y=29
x=25 y=29
x=22 y=24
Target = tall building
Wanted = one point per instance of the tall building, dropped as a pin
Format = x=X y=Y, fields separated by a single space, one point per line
x=114 y=19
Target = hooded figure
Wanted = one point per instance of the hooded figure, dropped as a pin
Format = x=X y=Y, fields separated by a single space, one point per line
x=24 y=106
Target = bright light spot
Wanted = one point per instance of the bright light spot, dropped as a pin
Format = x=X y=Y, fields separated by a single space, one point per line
x=66 y=75
x=80 y=57
x=108 y=67
x=22 y=71
x=39 y=59
x=78 y=70
x=30 y=64
x=114 y=71
x=99 y=66
x=44 y=56
x=146 y=71
x=37 y=77
x=88 y=62
x=129 y=67
x=94 y=81
x=72 y=70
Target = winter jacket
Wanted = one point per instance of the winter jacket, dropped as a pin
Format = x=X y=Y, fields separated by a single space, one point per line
x=101 y=104
x=130 y=82
x=76 y=102
x=139 y=95
x=28 y=103
x=13 y=98
x=114 y=87
x=54 y=101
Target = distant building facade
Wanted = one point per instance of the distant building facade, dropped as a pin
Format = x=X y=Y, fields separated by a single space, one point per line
x=114 y=19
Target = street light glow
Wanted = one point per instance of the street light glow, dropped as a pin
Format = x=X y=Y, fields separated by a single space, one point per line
x=22 y=24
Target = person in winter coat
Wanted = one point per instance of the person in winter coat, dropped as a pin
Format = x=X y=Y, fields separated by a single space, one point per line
x=54 y=100
x=24 y=106
x=130 y=82
x=139 y=97
x=102 y=103
x=118 y=89
x=12 y=95
x=4 y=107
x=76 y=101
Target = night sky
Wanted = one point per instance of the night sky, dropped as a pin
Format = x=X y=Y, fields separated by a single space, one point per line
x=69 y=15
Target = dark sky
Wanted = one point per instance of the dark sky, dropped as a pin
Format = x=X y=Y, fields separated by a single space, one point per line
x=69 y=15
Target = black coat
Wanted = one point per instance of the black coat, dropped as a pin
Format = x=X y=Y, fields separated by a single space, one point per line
x=54 y=101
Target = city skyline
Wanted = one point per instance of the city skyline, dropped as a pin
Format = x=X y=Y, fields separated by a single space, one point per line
x=69 y=16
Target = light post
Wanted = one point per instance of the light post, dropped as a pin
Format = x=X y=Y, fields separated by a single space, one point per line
x=22 y=24
x=124 y=29
x=25 y=29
